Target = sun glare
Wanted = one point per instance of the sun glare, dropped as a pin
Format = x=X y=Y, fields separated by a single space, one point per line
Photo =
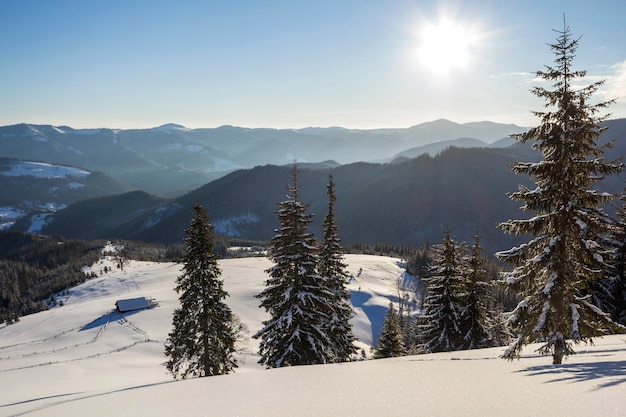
x=444 y=46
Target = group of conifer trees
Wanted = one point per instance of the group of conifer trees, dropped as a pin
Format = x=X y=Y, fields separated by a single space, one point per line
x=34 y=268
x=305 y=296
x=459 y=311
x=569 y=278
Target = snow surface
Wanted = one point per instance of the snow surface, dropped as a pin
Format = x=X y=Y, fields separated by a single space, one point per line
x=75 y=150
x=171 y=127
x=43 y=170
x=38 y=221
x=84 y=359
x=8 y=216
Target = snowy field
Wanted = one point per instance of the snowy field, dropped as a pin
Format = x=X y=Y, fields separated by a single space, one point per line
x=84 y=359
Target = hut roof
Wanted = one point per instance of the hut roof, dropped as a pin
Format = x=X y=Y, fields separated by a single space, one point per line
x=132 y=304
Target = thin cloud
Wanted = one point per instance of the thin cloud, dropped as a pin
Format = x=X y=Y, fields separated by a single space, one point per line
x=511 y=74
x=615 y=85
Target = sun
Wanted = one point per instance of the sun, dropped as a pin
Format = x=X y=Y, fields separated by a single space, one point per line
x=444 y=46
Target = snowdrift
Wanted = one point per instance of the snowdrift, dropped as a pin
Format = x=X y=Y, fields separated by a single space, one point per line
x=85 y=358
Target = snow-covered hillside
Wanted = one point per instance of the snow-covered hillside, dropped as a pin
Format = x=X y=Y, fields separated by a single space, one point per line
x=43 y=170
x=83 y=358
x=33 y=192
x=9 y=214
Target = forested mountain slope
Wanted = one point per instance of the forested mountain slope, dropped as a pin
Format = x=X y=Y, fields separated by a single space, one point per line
x=172 y=159
x=407 y=202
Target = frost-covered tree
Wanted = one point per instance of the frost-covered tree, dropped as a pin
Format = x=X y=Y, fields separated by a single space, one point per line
x=390 y=342
x=120 y=256
x=476 y=319
x=333 y=269
x=202 y=342
x=441 y=329
x=296 y=296
x=610 y=295
x=407 y=292
x=555 y=271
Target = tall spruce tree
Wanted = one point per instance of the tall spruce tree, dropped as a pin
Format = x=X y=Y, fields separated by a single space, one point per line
x=390 y=342
x=333 y=269
x=555 y=271
x=477 y=319
x=441 y=329
x=202 y=342
x=297 y=298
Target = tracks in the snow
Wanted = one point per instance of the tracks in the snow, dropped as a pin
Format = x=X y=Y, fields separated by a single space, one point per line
x=52 y=347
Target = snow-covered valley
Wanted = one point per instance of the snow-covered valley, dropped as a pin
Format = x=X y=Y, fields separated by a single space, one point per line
x=84 y=358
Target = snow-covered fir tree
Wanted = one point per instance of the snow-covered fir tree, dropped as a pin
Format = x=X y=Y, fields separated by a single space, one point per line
x=555 y=271
x=333 y=269
x=202 y=342
x=476 y=319
x=296 y=296
x=390 y=342
x=441 y=329
x=610 y=293
x=407 y=293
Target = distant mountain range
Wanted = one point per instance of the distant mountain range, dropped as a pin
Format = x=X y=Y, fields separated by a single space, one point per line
x=413 y=197
x=408 y=202
x=172 y=159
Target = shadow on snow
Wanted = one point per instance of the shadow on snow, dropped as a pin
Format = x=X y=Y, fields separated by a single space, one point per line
x=80 y=398
x=375 y=313
x=611 y=372
x=110 y=316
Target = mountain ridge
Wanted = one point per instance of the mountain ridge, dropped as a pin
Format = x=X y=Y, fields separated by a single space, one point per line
x=171 y=159
x=408 y=202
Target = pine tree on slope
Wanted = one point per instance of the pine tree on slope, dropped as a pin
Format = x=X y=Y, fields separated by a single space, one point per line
x=556 y=269
x=443 y=309
x=296 y=296
x=332 y=268
x=202 y=342
x=610 y=293
x=476 y=320
x=390 y=342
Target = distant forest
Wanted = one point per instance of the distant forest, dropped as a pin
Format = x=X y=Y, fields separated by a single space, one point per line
x=34 y=268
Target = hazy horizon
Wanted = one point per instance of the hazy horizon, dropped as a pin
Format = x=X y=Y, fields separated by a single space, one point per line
x=258 y=127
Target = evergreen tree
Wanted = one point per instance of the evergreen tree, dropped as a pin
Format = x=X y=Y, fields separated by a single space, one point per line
x=202 y=342
x=407 y=304
x=390 y=342
x=610 y=293
x=555 y=271
x=443 y=308
x=297 y=298
x=476 y=319
x=333 y=269
x=419 y=266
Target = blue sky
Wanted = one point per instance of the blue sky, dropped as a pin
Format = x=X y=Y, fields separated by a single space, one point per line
x=292 y=64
